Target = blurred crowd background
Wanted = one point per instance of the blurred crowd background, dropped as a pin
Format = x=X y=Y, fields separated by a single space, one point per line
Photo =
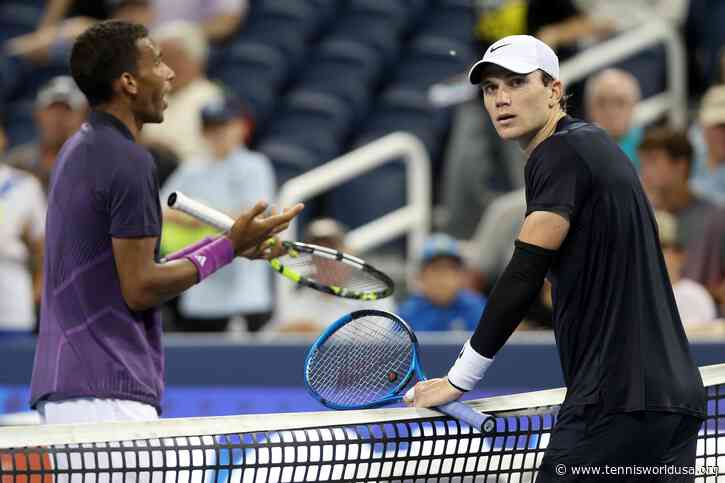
x=267 y=90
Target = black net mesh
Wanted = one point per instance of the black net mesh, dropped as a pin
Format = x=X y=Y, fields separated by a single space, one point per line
x=424 y=449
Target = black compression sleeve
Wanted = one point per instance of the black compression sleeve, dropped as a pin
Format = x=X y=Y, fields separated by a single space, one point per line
x=513 y=294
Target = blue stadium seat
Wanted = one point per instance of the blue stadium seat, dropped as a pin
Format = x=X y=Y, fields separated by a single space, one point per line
x=337 y=61
x=385 y=42
x=291 y=43
x=408 y=110
x=19 y=123
x=369 y=196
x=365 y=14
x=255 y=60
x=354 y=93
x=18 y=18
x=433 y=59
x=316 y=121
x=452 y=19
x=278 y=16
x=289 y=160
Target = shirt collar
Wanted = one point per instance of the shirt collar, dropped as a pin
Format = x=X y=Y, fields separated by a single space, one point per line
x=101 y=117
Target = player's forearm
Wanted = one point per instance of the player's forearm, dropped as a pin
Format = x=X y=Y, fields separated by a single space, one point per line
x=512 y=296
x=161 y=282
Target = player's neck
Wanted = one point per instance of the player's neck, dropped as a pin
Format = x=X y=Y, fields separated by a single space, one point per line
x=124 y=115
x=543 y=133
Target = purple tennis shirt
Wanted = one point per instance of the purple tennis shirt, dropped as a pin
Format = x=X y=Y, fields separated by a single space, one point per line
x=91 y=344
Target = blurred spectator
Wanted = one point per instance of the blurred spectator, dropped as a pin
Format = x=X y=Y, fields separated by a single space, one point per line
x=441 y=302
x=312 y=310
x=712 y=119
x=22 y=225
x=706 y=260
x=51 y=42
x=611 y=97
x=494 y=239
x=499 y=18
x=58 y=10
x=693 y=301
x=60 y=109
x=666 y=157
x=219 y=19
x=231 y=179
x=185 y=50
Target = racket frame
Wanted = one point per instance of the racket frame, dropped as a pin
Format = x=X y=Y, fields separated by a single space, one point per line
x=221 y=221
x=456 y=409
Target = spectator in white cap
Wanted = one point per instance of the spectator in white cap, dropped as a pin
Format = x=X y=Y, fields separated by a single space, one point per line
x=60 y=109
x=590 y=231
x=712 y=119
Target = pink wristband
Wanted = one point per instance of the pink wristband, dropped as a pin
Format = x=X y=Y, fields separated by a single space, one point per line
x=191 y=248
x=210 y=258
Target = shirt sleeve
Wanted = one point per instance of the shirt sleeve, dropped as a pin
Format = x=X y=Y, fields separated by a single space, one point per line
x=133 y=202
x=557 y=179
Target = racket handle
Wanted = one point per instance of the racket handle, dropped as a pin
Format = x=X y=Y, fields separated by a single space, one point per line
x=200 y=211
x=485 y=423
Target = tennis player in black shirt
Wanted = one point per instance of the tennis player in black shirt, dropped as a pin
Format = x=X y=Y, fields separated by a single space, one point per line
x=634 y=395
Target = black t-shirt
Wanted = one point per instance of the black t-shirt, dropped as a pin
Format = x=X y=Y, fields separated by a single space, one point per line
x=617 y=328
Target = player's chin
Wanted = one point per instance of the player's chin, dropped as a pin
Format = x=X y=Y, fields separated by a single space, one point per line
x=508 y=133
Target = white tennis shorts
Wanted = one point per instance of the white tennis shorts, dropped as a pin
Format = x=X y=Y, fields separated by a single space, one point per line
x=93 y=410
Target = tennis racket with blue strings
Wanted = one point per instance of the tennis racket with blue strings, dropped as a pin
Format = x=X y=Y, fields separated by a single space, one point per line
x=366 y=359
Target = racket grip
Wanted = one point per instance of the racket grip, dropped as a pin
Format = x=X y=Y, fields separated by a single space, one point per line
x=200 y=211
x=485 y=423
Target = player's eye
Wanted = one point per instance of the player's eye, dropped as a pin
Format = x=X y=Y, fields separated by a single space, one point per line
x=517 y=81
x=489 y=89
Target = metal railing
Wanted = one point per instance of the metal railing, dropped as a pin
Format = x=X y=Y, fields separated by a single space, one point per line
x=672 y=102
x=412 y=219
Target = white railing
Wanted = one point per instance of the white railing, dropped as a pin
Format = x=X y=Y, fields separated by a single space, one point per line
x=672 y=102
x=412 y=219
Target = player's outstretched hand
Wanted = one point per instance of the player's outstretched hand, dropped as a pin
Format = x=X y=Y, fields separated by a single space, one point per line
x=252 y=227
x=432 y=392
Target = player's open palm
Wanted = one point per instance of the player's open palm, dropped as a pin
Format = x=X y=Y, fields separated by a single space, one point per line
x=253 y=227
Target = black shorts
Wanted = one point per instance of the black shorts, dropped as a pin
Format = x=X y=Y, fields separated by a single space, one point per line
x=621 y=447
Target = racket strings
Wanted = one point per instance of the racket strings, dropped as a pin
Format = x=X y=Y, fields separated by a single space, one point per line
x=336 y=273
x=361 y=362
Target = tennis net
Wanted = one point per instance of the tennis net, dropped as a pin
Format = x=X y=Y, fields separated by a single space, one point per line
x=399 y=444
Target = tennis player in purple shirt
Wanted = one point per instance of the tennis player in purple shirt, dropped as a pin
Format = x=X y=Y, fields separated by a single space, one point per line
x=99 y=354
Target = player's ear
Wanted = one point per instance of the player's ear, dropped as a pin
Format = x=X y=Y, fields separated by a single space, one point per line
x=128 y=84
x=557 y=91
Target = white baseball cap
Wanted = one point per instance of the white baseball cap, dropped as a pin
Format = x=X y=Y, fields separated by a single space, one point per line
x=521 y=54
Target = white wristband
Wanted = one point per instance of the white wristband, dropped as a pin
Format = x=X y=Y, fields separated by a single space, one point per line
x=469 y=368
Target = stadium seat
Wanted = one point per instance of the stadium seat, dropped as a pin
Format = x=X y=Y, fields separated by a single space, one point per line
x=316 y=121
x=433 y=59
x=256 y=60
x=405 y=109
x=362 y=15
x=451 y=19
x=278 y=16
x=354 y=93
x=289 y=160
x=385 y=42
x=19 y=123
x=337 y=61
x=369 y=196
x=291 y=43
x=18 y=18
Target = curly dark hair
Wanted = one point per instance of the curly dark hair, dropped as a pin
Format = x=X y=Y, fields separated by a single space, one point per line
x=101 y=54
